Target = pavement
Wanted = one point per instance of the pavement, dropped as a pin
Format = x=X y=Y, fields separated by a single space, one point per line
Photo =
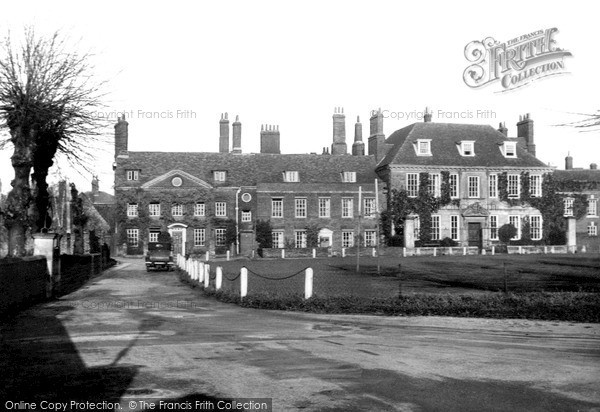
x=131 y=340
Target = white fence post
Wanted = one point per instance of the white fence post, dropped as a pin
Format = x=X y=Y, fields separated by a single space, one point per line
x=194 y=270
x=207 y=255
x=283 y=253
x=243 y=282
x=464 y=251
x=206 y=275
x=483 y=252
x=493 y=250
x=201 y=272
x=228 y=255
x=343 y=252
x=314 y=253
x=373 y=253
x=308 y=283
x=219 y=278
x=403 y=252
x=434 y=251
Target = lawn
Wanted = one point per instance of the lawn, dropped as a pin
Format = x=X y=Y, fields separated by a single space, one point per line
x=426 y=274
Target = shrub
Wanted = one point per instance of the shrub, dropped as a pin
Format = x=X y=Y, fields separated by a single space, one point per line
x=447 y=242
x=507 y=232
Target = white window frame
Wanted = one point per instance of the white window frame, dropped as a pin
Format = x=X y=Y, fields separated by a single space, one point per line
x=325 y=207
x=200 y=209
x=277 y=239
x=515 y=220
x=370 y=238
x=220 y=175
x=347 y=207
x=494 y=227
x=221 y=209
x=277 y=207
x=153 y=236
x=535 y=185
x=199 y=237
x=132 y=210
x=467 y=145
x=246 y=216
x=154 y=209
x=220 y=234
x=435 y=227
x=349 y=177
x=300 y=207
x=454 y=227
x=435 y=184
x=300 y=239
x=423 y=147
x=512 y=184
x=347 y=238
x=412 y=184
x=592 y=210
x=510 y=150
x=493 y=186
x=369 y=207
x=133 y=174
x=592 y=229
x=133 y=237
x=535 y=224
x=568 y=203
x=291 y=176
x=454 y=186
x=470 y=189
x=177 y=210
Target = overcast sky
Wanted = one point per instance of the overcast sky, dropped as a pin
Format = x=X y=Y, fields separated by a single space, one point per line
x=291 y=63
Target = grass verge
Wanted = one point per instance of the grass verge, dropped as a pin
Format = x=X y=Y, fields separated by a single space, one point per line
x=559 y=306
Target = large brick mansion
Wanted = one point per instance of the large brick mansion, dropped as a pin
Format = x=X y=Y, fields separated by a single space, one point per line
x=197 y=196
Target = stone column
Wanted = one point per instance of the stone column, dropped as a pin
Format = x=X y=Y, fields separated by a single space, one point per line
x=571 y=234
x=409 y=231
x=46 y=244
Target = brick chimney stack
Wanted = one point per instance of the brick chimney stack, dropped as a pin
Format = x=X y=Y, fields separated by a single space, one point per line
x=224 y=133
x=121 y=136
x=427 y=115
x=525 y=130
x=270 y=139
x=568 y=162
x=339 y=146
x=358 y=147
x=237 y=136
x=502 y=129
x=377 y=145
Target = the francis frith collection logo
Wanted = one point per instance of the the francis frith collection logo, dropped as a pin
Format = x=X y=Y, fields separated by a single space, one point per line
x=516 y=62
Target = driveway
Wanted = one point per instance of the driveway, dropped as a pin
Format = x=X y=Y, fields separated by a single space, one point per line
x=135 y=339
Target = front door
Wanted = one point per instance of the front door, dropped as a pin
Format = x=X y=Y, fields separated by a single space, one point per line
x=177 y=240
x=475 y=235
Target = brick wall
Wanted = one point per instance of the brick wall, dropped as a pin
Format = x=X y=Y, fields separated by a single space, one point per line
x=22 y=282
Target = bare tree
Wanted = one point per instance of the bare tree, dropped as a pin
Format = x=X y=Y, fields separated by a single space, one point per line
x=48 y=100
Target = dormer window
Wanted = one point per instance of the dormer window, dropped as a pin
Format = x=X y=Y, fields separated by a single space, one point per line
x=291 y=176
x=220 y=175
x=467 y=148
x=424 y=147
x=349 y=177
x=510 y=149
x=133 y=174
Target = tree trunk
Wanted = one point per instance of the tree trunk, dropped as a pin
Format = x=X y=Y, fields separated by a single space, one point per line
x=19 y=198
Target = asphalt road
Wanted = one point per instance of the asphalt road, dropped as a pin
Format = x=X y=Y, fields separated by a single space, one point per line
x=136 y=339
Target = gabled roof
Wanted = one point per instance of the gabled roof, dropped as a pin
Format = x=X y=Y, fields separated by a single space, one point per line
x=162 y=178
x=251 y=169
x=579 y=175
x=445 y=144
x=100 y=197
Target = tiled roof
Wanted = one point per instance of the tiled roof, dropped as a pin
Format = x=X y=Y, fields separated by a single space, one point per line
x=251 y=169
x=445 y=150
x=100 y=197
x=582 y=175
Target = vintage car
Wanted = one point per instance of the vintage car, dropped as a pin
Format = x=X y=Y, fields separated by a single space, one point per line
x=159 y=256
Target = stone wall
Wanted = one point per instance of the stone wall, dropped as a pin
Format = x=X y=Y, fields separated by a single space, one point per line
x=22 y=282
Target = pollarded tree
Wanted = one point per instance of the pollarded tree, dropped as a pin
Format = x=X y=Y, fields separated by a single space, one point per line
x=48 y=98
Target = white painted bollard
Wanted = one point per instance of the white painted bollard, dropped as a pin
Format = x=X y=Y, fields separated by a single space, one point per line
x=434 y=251
x=373 y=252
x=520 y=250
x=483 y=252
x=343 y=252
x=308 y=283
x=403 y=252
x=228 y=255
x=450 y=250
x=314 y=253
x=552 y=249
x=493 y=250
x=194 y=270
x=206 y=275
x=283 y=253
x=243 y=282
x=207 y=255
x=418 y=251
x=545 y=250
x=464 y=251
x=219 y=278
